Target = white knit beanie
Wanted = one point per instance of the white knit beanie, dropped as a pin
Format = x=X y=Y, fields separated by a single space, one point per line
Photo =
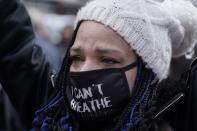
x=154 y=30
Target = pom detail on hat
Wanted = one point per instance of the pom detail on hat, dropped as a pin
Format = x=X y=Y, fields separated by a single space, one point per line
x=185 y=14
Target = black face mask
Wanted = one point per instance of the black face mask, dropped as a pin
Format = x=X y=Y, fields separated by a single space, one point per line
x=94 y=95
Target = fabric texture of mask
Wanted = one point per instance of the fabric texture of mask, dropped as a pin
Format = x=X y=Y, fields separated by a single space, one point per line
x=99 y=94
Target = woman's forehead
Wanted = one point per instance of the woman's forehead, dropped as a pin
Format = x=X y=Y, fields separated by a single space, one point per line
x=96 y=35
x=92 y=29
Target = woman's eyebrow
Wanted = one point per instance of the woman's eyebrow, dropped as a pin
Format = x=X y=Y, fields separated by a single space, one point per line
x=98 y=50
x=75 y=49
x=107 y=51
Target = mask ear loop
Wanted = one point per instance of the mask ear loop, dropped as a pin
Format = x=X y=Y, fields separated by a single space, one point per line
x=130 y=66
x=122 y=120
x=125 y=121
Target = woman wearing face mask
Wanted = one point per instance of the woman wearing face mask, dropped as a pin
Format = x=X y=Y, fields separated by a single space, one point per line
x=119 y=49
x=111 y=77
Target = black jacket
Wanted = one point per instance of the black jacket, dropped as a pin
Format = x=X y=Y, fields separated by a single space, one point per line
x=24 y=70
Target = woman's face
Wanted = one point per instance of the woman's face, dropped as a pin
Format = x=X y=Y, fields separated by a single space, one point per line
x=98 y=47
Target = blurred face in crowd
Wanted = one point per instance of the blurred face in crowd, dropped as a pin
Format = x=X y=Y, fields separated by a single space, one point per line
x=99 y=47
x=67 y=33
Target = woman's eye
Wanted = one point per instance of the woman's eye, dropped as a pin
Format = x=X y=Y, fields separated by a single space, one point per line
x=110 y=61
x=76 y=59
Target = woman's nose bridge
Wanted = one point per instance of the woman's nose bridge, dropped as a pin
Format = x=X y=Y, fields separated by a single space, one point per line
x=89 y=65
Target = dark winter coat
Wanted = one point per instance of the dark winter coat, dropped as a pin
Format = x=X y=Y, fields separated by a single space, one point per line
x=24 y=70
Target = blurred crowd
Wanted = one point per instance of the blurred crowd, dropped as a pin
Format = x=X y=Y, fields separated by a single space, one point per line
x=53 y=31
x=53 y=26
